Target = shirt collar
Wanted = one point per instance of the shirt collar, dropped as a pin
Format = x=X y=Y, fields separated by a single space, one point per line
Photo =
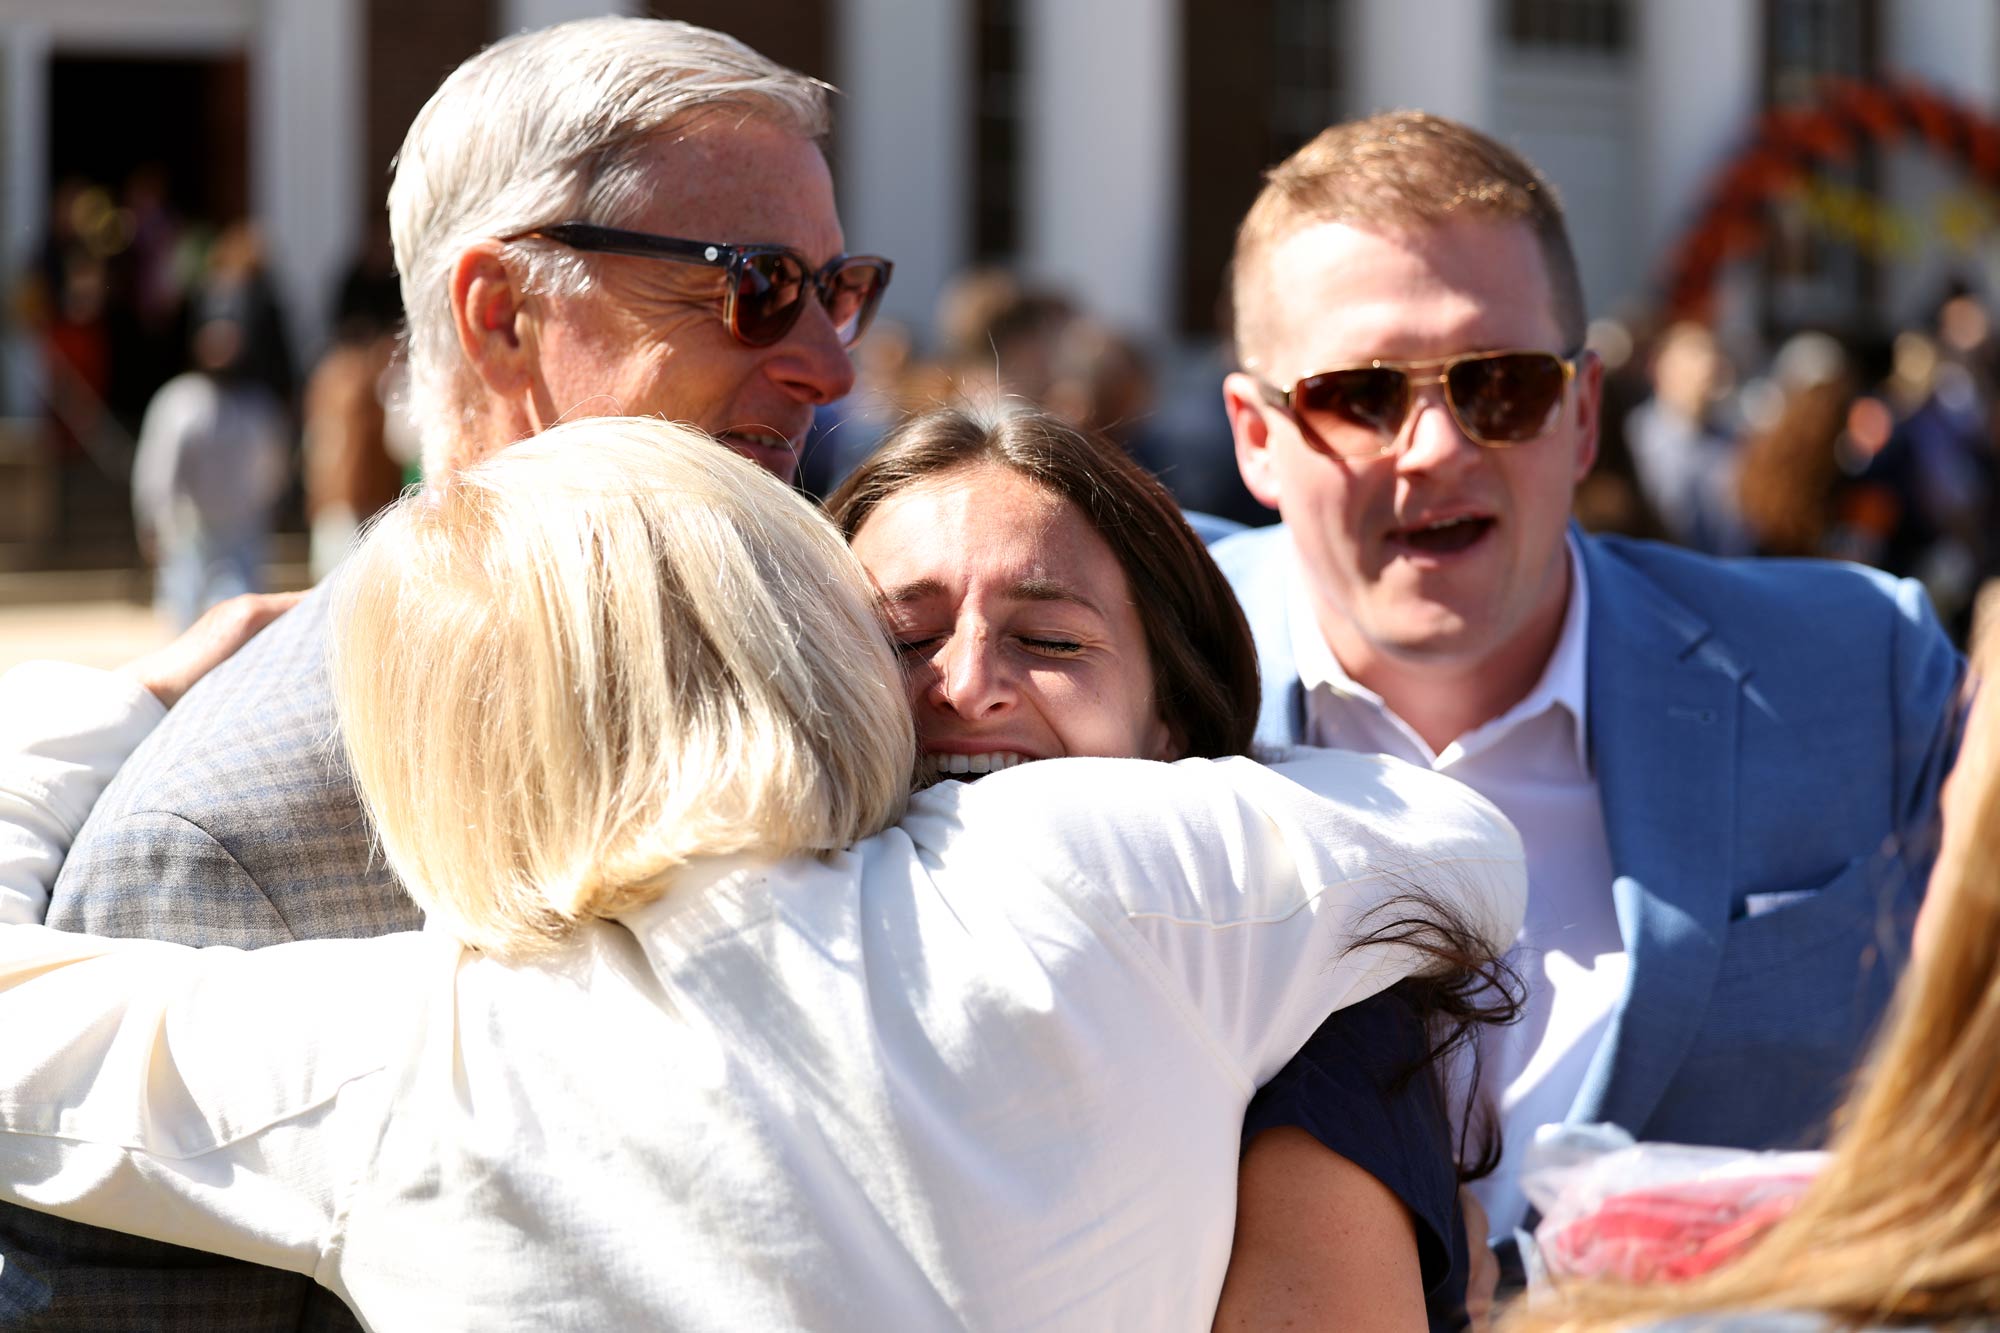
x=1563 y=682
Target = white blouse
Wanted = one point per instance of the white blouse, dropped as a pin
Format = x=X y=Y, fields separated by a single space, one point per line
x=986 y=1069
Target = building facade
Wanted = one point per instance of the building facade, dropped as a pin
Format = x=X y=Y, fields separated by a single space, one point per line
x=1102 y=146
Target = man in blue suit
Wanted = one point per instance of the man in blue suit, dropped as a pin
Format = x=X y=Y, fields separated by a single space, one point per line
x=1723 y=771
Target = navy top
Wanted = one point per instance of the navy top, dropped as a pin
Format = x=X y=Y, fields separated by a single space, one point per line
x=1352 y=1088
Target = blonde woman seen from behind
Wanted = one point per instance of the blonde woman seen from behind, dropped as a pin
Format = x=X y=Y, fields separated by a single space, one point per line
x=714 y=1026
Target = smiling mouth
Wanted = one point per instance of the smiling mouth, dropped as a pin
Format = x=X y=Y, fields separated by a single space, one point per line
x=1446 y=536
x=755 y=438
x=965 y=767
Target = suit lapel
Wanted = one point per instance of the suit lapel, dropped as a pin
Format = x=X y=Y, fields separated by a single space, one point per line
x=1663 y=713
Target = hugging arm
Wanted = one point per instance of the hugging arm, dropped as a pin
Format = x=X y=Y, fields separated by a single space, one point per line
x=1251 y=894
x=1320 y=1243
x=1349 y=1211
x=123 y=1099
x=63 y=733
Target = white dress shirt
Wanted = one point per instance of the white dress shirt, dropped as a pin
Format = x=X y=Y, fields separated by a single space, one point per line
x=1533 y=762
x=984 y=1069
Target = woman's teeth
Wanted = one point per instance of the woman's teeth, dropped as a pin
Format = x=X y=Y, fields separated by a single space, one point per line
x=971 y=765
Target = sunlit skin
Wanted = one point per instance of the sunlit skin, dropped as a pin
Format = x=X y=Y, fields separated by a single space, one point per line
x=1449 y=633
x=648 y=337
x=1014 y=621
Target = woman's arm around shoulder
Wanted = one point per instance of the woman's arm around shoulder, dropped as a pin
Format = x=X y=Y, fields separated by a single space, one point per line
x=1252 y=889
x=64 y=730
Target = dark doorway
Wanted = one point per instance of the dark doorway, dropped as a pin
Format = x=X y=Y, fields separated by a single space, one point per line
x=112 y=117
x=147 y=158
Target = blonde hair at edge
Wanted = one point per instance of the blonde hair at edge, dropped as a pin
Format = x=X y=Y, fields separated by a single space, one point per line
x=598 y=656
x=1904 y=1224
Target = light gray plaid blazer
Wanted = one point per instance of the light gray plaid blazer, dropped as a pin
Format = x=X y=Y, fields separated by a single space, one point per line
x=235 y=823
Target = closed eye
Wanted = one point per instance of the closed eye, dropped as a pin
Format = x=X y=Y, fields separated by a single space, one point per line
x=1054 y=647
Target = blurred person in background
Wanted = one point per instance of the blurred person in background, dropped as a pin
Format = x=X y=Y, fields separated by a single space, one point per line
x=369 y=294
x=608 y=216
x=1106 y=383
x=890 y=382
x=997 y=337
x=1927 y=503
x=214 y=456
x=351 y=406
x=1610 y=497
x=236 y=286
x=1811 y=434
x=351 y=473
x=1102 y=382
x=1685 y=462
x=151 y=270
x=1708 y=760
x=64 y=298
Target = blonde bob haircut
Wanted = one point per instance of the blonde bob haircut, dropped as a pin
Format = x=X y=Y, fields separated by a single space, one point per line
x=598 y=656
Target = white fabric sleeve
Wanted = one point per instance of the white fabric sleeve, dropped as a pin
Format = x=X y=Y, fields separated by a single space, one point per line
x=156 y=464
x=64 y=730
x=218 y=1099
x=208 y=1097
x=1247 y=887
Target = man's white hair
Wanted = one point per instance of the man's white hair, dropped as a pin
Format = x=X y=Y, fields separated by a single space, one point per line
x=546 y=127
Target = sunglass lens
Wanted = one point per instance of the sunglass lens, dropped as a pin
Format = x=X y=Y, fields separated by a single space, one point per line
x=1373 y=398
x=770 y=291
x=1508 y=398
x=851 y=292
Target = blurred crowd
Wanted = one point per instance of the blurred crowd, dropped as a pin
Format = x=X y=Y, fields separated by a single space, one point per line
x=1882 y=454
x=172 y=387
x=1000 y=339
x=173 y=416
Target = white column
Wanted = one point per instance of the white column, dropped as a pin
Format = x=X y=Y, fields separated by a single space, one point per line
x=24 y=204
x=525 y=15
x=306 y=188
x=1952 y=45
x=1426 y=55
x=1101 y=178
x=903 y=125
x=1700 y=64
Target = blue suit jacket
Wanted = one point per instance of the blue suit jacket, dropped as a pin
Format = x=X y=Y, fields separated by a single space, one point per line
x=1768 y=738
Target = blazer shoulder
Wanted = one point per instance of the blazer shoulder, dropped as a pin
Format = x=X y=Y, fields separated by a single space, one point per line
x=154 y=875
x=1815 y=606
x=242 y=793
x=255 y=737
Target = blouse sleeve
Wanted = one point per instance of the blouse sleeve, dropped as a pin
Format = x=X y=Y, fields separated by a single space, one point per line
x=127 y=1100
x=1246 y=890
x=124 y=1098
x=64 y=730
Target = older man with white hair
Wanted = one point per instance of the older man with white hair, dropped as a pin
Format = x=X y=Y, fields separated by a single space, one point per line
x=612 y=216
